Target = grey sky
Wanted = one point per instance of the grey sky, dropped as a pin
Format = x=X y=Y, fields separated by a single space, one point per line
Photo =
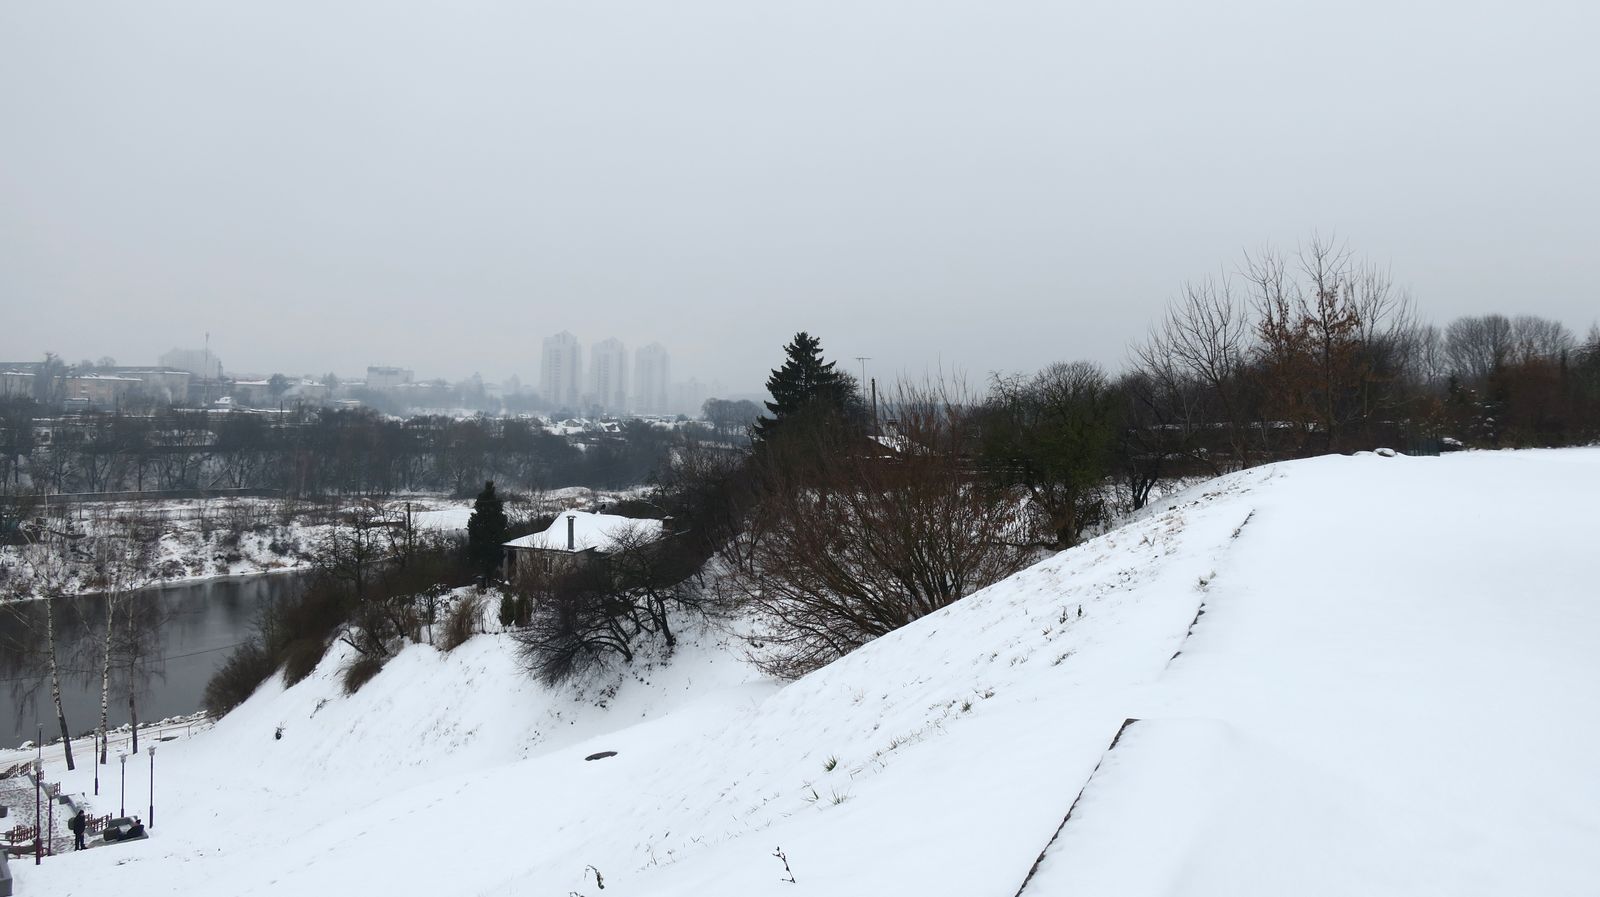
x=983 y=185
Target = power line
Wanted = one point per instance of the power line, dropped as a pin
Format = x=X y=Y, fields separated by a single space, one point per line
x=161 y=659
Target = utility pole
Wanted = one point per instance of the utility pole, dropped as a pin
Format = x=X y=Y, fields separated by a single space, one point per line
x=863 y=359
x=875 y=430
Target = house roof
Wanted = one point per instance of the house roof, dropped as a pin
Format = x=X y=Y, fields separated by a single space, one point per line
x=589 y=531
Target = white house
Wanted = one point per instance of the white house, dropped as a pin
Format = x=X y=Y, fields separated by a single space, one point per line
x=577 y=537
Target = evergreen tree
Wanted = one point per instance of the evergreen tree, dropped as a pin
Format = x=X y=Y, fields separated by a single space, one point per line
x=486 y=530
x=804 y=383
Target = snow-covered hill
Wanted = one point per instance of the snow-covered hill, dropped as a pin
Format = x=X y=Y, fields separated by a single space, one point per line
x=1391 y=690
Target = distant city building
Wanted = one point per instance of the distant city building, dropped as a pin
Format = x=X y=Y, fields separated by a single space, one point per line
x=100 y=391
x=164 y=386
x=383 y=378
x=652 y=373
x=16 y=383
x=608 y=375
x=688 y=396
x=253 y=393
x=200 y=362
x=308 y=391
x=561 y=371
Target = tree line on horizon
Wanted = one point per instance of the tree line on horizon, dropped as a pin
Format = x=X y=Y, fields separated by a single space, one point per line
x=846 y=521
x=315 y=453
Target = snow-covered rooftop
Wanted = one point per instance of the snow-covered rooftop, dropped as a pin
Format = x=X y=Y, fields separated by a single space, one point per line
x=589 y=531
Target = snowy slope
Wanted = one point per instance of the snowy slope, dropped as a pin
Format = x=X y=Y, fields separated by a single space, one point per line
x=1391 y=690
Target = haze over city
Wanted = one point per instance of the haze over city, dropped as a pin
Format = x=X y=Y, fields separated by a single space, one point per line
x=441 y=187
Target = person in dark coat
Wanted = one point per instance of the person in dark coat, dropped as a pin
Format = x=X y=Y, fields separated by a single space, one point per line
x=78 y=824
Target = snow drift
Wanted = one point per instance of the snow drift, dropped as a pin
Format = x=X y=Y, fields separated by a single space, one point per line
x=1350 y=675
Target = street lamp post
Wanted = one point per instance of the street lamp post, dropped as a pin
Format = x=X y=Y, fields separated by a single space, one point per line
x=152 y=821
x=122 y=801
x=96 y=763
x=38 y=845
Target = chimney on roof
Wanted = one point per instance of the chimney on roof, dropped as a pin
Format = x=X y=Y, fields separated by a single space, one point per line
x=572 y=543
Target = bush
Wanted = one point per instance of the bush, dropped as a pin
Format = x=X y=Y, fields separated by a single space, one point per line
x=300 y=658
x=359 y=671
x=580 y=621
x=462 y=622
x=241 y=674
x=848 y=544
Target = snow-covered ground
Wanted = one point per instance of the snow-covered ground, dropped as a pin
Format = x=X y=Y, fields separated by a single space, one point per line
x=1391 y=690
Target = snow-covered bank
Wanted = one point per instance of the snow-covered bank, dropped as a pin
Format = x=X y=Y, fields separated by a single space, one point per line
x=205 y=539
x=219 y=538
x=1391 y=690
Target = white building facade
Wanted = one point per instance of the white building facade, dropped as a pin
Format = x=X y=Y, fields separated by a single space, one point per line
x=561 y=371
x=608 y=375
x=385 y=378
x=200 y=362
x=652 y=374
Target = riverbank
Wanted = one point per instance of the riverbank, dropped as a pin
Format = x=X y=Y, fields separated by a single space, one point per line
x=202 y=540
x=192 y=628
x=195 y=540
x=119 y=739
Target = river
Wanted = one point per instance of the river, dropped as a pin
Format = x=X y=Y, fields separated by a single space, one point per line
x=191 y=627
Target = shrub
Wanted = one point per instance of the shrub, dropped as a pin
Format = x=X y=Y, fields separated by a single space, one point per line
x=300 y=658
x=848 y=543
x=462 y=622
x=579 y=621
x=359 y=671
x=241 y=674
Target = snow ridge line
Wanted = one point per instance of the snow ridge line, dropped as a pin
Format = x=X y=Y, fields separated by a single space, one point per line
x=1195 y=622
x=1032 y=870
x=1204 y=585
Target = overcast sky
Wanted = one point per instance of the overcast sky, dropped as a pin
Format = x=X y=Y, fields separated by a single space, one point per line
x=984 y=185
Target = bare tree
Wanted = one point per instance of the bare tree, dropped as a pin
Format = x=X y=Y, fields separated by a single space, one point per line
x=137 y=648
x=1475 y=346
x=883 y=533
x=1533 y=338
x=577 y=621
x=350 y=555
x=47 y=559
x=584 y=611
x=120 y=553
x=1194 y=363
x=1333 y=347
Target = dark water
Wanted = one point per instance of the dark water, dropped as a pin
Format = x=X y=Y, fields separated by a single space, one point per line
x=188 y=631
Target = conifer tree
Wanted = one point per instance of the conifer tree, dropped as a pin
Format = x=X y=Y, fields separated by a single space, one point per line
x=486 y=530
x=804 y=383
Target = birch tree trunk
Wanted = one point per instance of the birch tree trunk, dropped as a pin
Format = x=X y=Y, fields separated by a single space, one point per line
x=105 y=677
x=55 y=673
x=133 y=687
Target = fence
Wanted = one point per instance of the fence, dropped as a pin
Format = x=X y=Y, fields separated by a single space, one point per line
x=18 y=839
